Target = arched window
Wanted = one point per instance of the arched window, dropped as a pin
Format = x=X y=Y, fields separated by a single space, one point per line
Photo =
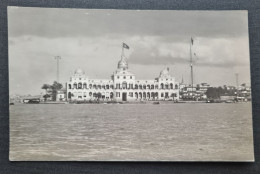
x=148 y=95
x=166 y=86
x=107 y=86
x=112 y=86
x=69 y=86
x=111 y=95
x=171 y=86
x=85 y=86
x=140 y=95
x=152 y=86
x=124 y=85
x=140 y=86
x=90 y=86
x=156 y=86
x=103 y=87
x=136 y=86
x=176 y=86
x=90 y=94
x=99 y=95
x=75 y=86
x=136 y=95
x=69 y=95
x=162 y=86
x=95 y=86
x=79 y=85
x=144 y=95
x=148 y=86
x=144 y=86
x=99 y=86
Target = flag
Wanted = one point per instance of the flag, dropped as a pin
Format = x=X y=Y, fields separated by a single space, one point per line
x=191 y=41
x=125 y=46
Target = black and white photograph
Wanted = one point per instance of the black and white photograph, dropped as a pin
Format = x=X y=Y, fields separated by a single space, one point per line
x=129 y=85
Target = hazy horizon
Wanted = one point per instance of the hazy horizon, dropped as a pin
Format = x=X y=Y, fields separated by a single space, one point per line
x=92 y=40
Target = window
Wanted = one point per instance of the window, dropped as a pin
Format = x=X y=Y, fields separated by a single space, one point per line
x=162 y=86
x=117 y=77
x=161 y=94
x=124 y=77
x=124 y=85
x=130 y=77
x=130 y=94
x=80 y=85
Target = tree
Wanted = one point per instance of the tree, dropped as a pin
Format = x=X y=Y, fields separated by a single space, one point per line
x=55 y=87
x=53 y=90
x=46 y=87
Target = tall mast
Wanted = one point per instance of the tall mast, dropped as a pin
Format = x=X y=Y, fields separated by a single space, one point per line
x=237 y=82
x=191 y=66
x=57 y=58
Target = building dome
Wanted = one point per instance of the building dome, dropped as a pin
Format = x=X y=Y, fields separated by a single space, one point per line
x=122 y=64
x=79 y=71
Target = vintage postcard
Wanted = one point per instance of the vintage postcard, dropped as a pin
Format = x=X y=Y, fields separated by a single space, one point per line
x=129 y=85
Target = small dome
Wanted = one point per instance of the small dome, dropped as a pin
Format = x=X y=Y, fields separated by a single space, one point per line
x=122 y=64
x=79 y=71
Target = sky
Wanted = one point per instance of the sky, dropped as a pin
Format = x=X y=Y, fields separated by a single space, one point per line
x=91 y=39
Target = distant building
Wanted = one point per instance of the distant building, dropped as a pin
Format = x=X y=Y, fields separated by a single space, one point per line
x=194 y=92
x=61 y=95
x=123 y=86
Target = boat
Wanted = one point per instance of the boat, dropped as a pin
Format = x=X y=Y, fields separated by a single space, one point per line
x=156 y=103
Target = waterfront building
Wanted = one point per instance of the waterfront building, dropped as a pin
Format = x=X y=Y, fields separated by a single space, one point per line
x=122 y=86
x=194 y=92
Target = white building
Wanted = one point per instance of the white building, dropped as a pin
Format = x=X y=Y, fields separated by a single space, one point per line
x=123 y=86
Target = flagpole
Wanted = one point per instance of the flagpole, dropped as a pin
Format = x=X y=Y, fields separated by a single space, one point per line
x=122 y=51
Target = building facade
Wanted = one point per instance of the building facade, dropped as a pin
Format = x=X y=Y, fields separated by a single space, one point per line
x=123 y=86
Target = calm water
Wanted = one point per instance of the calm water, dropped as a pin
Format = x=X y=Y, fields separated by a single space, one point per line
x=218 y=132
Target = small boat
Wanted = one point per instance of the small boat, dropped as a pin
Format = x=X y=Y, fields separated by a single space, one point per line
x=156 y=103
x=11 y=103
